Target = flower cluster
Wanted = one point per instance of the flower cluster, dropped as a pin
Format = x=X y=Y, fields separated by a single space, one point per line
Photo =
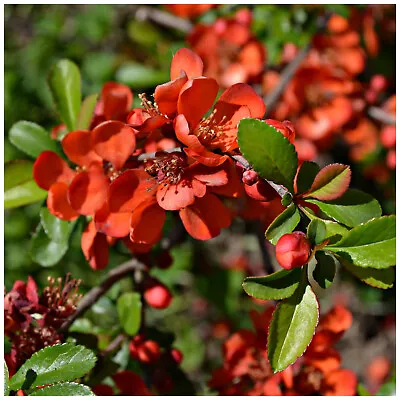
x=172 y=154
x=31 y=320
x=246 y=369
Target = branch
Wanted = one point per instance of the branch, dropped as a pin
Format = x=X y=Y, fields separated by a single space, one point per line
x=163 y=18
x=381 y=115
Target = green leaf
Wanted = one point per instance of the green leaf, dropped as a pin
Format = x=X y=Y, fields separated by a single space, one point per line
x=353 y=208
x=56 y=229
x=330 y=183
x=316 y=231
x=277 y=286
x=292 y=327
x=62 y=362
x=31 y=138
x=283 y=223
x=362 y=391
x=45 y=251
x=65 y=85
x=6 y=380
x=140 y=76
x=64 y=389
x=268 y=151
x=372 y=244
x=324 y=271
x=379 y=278
x=25 y=192
x=17 y=172
x=305 y=177
x=86 y=111
x=129 y=308
x=388 y=388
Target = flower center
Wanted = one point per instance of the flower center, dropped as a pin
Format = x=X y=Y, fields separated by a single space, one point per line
x=168 y=168
x=149 y=107
x=210 y=129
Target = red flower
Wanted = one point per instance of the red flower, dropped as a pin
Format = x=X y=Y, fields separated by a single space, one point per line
x=188 y=10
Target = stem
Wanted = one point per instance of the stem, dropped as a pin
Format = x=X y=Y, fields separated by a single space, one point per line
x=381 y=116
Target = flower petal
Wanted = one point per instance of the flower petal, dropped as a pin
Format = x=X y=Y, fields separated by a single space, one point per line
x=166 y=95
x=244 y=95
x=78 y=147
x=117 y=100
x=175 y=197
x=196 y=98
x=112 y=224
x=206 y=157
x=114 y=141
x=206 y=217
x=182 y=132
x=50 y=168
x=58 y=204
x=95 y=247
x=88 y=191
x=147 y=222
x=210 y=176
x=187 y=61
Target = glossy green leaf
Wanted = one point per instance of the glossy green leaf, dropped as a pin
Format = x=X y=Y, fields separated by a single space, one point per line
x=330 y=183
x=306 y=175
x=45 y=251
x=324 y=271
x=31 y=138
x=140 y=76
x=17 y=172
x=292 y=327
x=372 y=244
x=56 y=229
x=268 y=151
x=65 y=85
x=353 y=208
x=6 y=380
x=283 y=223
x=86 y=112
x=61 y=362
x=279 y=285
x=129 y=308
x=316 y=231
x=379 y=278
x=64 y=389
x=25 y=193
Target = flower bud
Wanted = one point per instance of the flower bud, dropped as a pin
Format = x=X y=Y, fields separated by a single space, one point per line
x=177 y=355
x=293 y=250
x=388 y=136
x=157 y=295
x=249 y=177
x=148 y=352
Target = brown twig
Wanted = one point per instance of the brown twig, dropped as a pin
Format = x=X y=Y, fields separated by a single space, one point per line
x=381 y=115
x=114 y=345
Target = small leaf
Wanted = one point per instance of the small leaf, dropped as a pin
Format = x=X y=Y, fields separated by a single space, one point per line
x=61 y=362
x=64 y=389
x=379 y=278
x=277 y=286
x=140 y=76
x=65 y=85
x=45 y=251
x=362 y=391
x=305 y=176
x=6 y=380
x=25 y=193
x=56 y=229
x=283 y=223
x=129 y=308
x=268 y=152
x=31 y=138
x=17 y=172
x=316 y=231
x=292 y=327
x=86 y=111
x=353 y=208
x=372 y=244
x=330 y=183
x=324 y=272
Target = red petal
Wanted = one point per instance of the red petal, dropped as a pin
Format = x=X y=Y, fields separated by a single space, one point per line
x=244 y=95
x=130 y=189
x=166 y=95
x=78 y=147
x=32 y=291
x=88 y=191
x=206 y=157
x=175 y=197
x=112 y=224
x=187 y=61
x=261 y=191
x=196 y=98
x=342 y=382
x=182 y=131
x=114 y=141
x=210 y=176
x=58 y=204
x=95 y=247
x=234 y=187
x=130 y=384
x=50 y=168
x=206 y=217
x=147 y=222
x=117 y=100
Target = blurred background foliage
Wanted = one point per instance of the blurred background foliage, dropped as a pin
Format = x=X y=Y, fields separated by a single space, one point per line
x=110 y=42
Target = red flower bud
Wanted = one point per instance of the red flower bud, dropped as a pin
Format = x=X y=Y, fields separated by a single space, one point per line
x=285 y=127
x=391 y=159
x=177 y=355
x=249 y=177
x=293 y=250
x=261 y=191
x=388 y=136
x=148 y=352
x=157 y=295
